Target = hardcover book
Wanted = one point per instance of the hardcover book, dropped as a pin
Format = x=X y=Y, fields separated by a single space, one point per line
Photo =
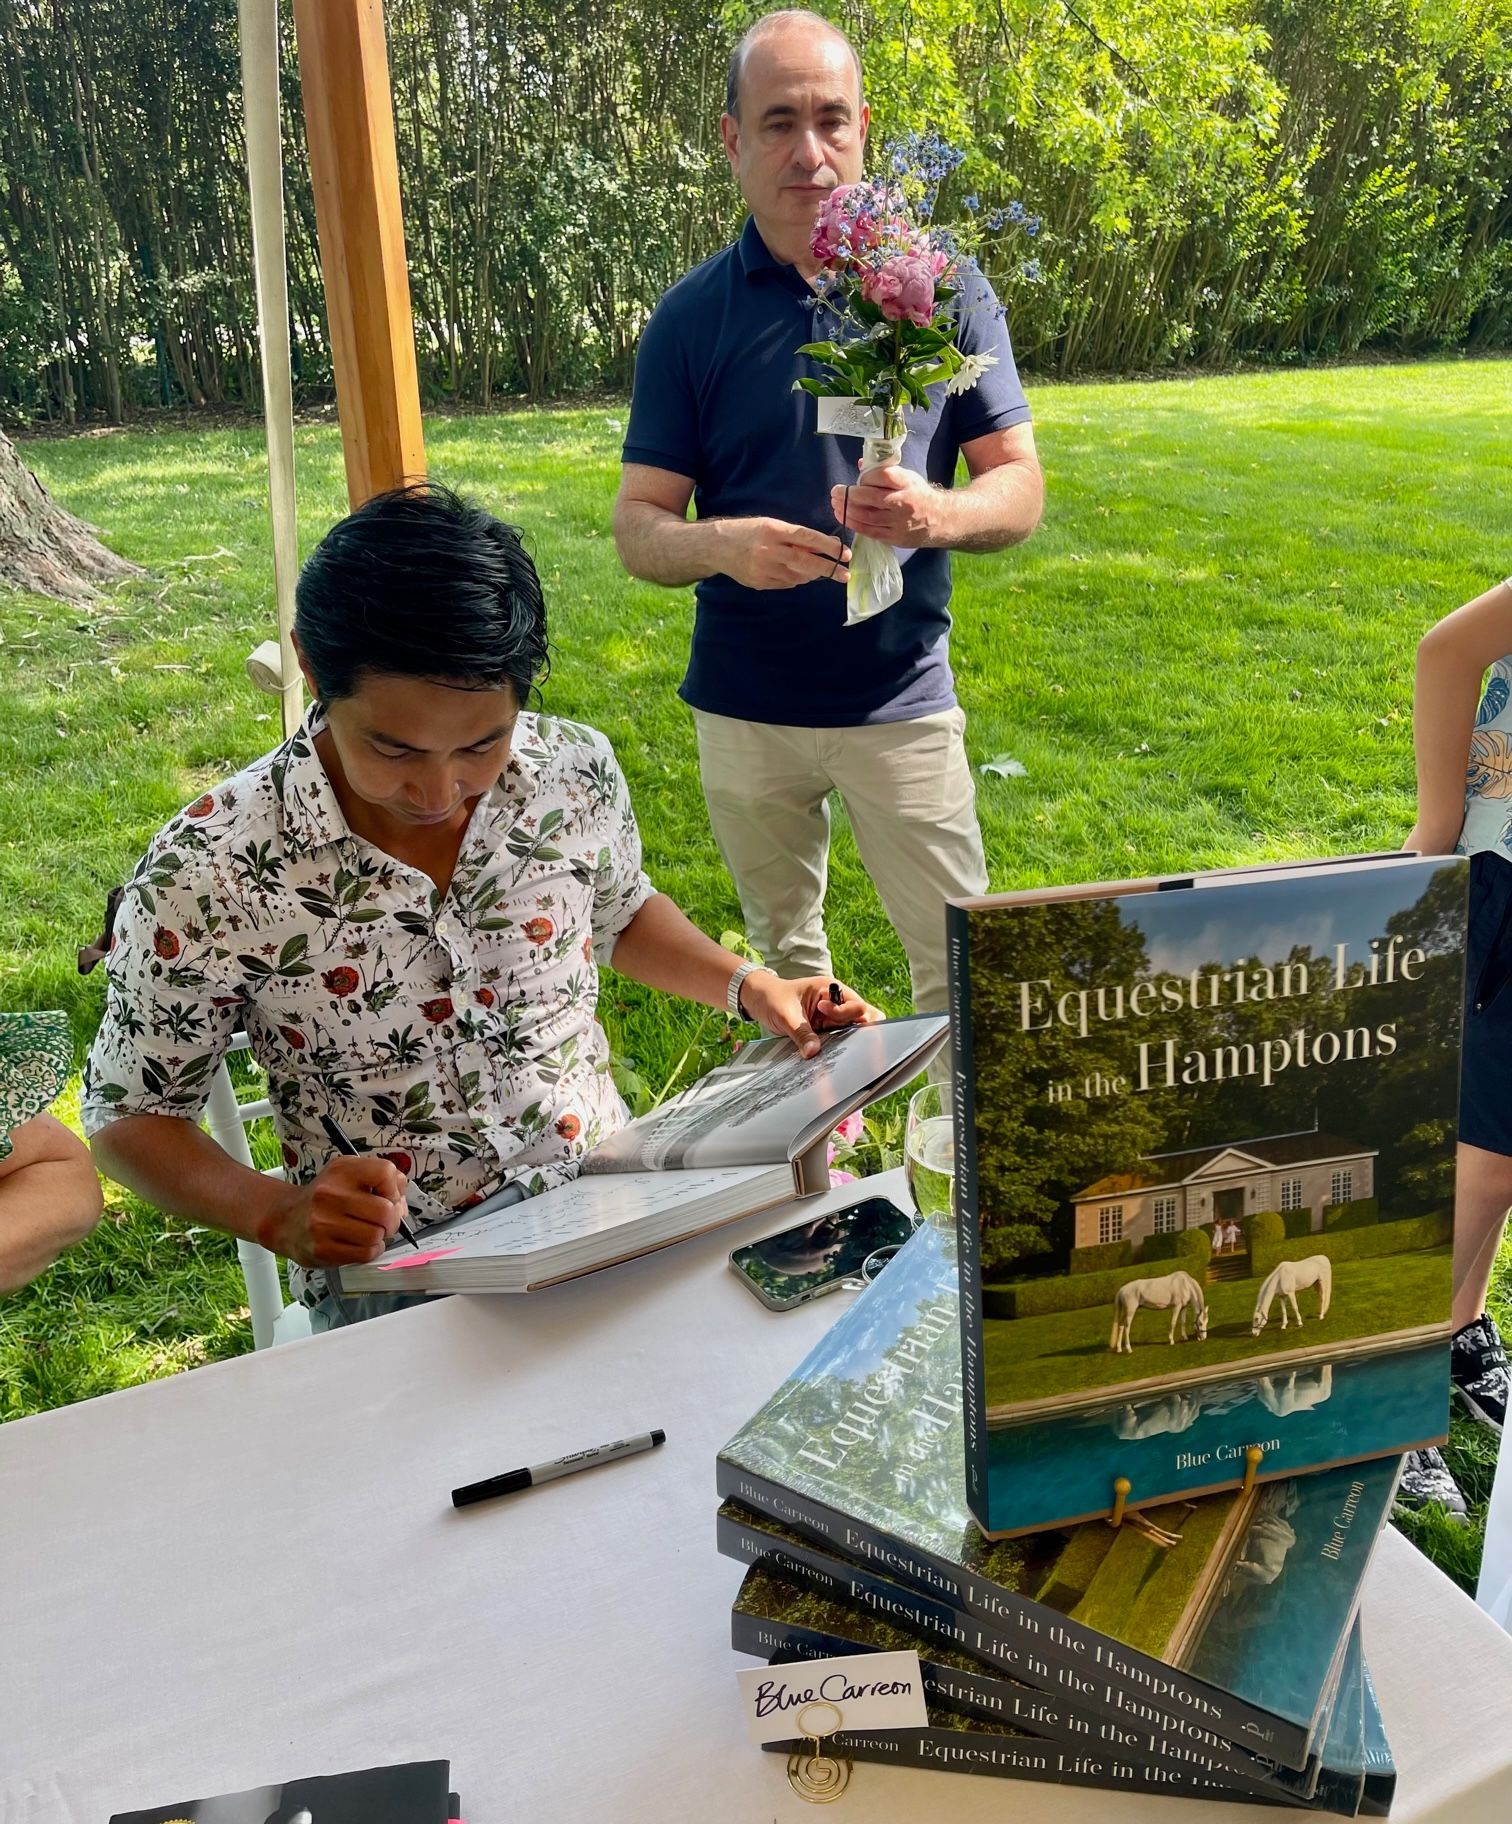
x=1234 y=1610
x=955 y=1743
x=777 y=1618
x=748 y=1135
x=1205 y=1136
x=414 y=1793
x=1380 y=1764
x=960 y=1744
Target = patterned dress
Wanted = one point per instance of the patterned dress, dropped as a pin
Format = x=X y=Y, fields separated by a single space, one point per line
x=36 y=1050
x=1488 y=779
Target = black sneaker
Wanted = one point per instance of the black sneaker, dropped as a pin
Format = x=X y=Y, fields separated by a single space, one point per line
x=1478 y=1371
x=1426 y=1479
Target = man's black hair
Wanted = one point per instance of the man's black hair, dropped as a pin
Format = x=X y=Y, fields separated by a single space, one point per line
x=419 y=583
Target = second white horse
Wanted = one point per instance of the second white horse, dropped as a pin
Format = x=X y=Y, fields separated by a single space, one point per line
x=1177 y=1293
x=1286 y=1281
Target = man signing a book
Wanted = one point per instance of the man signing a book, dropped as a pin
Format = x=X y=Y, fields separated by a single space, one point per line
x=405 y=906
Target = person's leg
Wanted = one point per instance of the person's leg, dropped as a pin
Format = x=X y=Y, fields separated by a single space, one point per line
x=912 y=804
x=767 y=799
x=1482 y=1197
x=1483 y=1162
x=334 y=1313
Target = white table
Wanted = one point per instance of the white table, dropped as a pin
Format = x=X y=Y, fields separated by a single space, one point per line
x=252 y=1572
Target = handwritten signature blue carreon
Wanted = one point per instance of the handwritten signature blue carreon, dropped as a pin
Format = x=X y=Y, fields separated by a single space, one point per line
x=773 y=1696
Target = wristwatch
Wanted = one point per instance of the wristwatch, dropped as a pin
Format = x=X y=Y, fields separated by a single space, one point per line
x=737 y=981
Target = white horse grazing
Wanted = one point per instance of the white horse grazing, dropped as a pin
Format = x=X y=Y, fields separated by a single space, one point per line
x=1175 y=1292
x=1287 y=1280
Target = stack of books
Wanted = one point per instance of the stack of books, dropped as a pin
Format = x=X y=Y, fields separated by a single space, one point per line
x=1112 y=1451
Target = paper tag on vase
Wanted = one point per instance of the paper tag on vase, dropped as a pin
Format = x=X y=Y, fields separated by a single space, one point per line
x=848 y=418
x=815 y=1697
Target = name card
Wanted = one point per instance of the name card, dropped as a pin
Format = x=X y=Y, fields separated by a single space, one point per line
x=868 y=1690
x=849 y=418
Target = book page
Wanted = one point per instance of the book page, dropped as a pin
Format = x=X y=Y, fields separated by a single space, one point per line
x=571 y=1212
x=768 y=1103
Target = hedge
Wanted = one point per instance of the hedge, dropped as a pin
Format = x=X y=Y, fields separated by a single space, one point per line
x=1266 y=1228
x=1360 y=1244
x=1360 y=1213
x=1071 y=1292
x=1102 y=1255
x=1298 y=1222
x=1194 y=1246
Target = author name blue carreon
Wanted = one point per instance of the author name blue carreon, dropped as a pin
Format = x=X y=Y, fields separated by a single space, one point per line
x=1224 y=1453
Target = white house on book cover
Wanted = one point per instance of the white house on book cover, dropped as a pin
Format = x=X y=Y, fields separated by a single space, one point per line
x=1213 y=1186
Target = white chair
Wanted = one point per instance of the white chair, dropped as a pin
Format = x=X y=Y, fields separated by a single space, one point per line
x=273 y=1321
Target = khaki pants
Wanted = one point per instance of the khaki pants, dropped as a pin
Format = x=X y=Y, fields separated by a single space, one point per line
x=908 y=789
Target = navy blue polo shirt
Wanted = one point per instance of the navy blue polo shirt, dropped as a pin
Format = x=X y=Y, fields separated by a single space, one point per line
x=714 y=401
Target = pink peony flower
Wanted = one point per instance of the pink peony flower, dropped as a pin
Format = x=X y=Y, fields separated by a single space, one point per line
x=850 y=1129
x=903 y=289
x=833 y=225
x=837 y=1177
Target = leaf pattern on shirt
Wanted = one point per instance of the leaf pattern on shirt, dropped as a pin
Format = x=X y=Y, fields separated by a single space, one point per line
x=457 y=1032
x=1490 y=770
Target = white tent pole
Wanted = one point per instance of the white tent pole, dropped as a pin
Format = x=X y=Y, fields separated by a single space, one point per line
x=259 y=59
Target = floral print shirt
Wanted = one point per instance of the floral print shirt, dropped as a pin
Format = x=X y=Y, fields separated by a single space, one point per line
x=1488 y=778
x=456 y=1035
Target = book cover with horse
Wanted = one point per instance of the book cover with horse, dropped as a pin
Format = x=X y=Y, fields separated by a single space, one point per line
x=1205 y=1138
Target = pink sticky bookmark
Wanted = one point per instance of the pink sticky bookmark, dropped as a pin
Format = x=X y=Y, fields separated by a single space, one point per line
x=416 y=1260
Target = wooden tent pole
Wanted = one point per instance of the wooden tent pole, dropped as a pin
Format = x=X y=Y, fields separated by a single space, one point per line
x=349 y=121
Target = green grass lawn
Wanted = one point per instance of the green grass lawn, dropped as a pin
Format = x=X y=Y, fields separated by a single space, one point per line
x=1028 y=1358
x=1204 y=656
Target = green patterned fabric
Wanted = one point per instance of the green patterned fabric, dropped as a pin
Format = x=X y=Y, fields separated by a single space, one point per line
x=36 y=1050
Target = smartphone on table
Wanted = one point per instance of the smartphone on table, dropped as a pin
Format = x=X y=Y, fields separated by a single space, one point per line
x=813 y=1257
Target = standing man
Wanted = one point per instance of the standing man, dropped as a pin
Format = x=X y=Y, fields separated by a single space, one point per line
x=788 y=702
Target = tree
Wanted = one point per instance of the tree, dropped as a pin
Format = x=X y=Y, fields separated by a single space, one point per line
x=42 y=547
x=1044 y=1129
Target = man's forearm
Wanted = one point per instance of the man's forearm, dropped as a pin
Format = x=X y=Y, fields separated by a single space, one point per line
x=663 y=948
x=176 y=1166
x=662 y=547
x=994 y=510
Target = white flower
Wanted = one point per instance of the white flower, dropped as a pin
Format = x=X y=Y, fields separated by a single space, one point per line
x=969 y=372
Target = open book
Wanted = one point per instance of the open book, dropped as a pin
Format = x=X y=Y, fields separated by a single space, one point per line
x=746 y=1136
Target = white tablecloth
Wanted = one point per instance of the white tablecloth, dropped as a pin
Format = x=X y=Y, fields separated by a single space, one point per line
x=1494 y=1591
x=253 y=1572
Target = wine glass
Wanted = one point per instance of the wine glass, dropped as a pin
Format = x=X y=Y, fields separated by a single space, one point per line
x=929 y=1154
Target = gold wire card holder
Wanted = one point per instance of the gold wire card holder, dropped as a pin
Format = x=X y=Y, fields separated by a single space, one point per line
x=816 y=1775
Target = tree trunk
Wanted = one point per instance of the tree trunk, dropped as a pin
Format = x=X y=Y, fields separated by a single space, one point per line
x=42 y=548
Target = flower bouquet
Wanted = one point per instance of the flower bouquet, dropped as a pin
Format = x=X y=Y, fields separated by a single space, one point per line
x=895 y=283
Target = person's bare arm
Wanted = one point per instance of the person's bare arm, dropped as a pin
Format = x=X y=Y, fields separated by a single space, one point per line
x=343 y=1217
x=1000 y=506
x=658 y=543
x=663 y=948
x=49 y=1198
x=1452 y=658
